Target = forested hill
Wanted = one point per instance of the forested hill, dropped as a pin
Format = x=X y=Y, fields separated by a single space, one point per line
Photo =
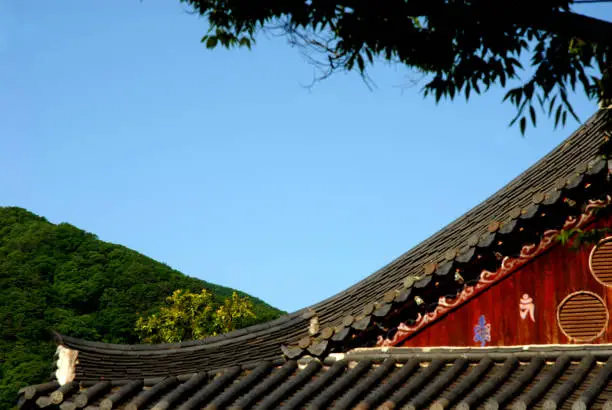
x=62 y=278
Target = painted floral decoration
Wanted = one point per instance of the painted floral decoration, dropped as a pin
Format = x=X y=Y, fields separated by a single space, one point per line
x=482 y=331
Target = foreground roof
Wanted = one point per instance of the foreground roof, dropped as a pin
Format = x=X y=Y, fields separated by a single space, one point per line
x=545 y=377
x=517 y=213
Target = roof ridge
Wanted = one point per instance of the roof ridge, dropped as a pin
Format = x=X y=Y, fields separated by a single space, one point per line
x=373 y=296
x=444 y=262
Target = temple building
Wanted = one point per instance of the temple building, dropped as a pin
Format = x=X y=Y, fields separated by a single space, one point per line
x=498 y=309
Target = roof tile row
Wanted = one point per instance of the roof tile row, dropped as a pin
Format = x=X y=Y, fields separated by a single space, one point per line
x=548 y=378
x=544 y=185
x=542 y=205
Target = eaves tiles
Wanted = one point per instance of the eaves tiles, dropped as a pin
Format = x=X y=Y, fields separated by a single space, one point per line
x=315 y=358
x=560 y=185
x=552 y=377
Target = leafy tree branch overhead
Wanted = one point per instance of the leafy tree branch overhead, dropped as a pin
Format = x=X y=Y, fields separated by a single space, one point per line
x=463 y=46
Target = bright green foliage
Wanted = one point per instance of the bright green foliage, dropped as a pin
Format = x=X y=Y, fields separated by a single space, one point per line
x=577 y=238
x=193 y=316
x=58 y=277
x=233 y=314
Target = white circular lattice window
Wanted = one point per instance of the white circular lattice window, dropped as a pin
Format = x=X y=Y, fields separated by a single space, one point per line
x=582 y=316
x=600 y=262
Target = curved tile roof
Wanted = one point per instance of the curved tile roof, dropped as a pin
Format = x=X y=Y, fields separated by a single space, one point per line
x=546 y=377
x=262 y=342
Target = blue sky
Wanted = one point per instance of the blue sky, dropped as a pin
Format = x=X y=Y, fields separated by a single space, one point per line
x=114 y=118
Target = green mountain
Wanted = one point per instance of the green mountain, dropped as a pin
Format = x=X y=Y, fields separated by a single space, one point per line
x=59 y=277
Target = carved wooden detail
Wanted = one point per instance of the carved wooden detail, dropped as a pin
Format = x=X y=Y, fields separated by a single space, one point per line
x=600 y=262
x=582 y=316
x=487 y=278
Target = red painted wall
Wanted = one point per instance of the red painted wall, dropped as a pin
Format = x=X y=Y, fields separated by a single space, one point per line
x=548 y=279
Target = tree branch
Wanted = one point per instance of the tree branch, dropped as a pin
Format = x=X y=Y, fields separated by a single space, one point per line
x=577 y=25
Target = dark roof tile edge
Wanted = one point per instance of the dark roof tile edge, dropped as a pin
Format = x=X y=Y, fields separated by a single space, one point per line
x=212 y=341
x=549 y=352
x=591 y=167
x=389 y=276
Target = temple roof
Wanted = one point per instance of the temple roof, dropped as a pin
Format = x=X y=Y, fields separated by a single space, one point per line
x=547 y=377
x=555 y=183
x=562 y=187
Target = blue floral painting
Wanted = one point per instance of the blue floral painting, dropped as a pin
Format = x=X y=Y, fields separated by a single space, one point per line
x=482 y=331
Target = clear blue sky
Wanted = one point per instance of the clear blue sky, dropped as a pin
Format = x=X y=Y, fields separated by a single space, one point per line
x=114 y=118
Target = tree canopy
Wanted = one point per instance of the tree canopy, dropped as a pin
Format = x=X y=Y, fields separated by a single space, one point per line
x=463 y=47
x=60 y=278
x=193 y=316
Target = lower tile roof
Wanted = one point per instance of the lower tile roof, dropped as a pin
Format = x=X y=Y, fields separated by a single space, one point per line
x=539 y=377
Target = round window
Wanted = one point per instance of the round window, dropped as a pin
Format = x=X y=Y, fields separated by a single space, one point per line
x=582 y=316
x=600 y=262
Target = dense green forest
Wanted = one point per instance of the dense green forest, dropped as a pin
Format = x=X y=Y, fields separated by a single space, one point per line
x=59 y=277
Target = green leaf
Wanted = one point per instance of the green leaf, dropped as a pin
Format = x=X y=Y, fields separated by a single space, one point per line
x=245 y=42
x=532 y=113
x=211 y=41
x=523 y=125
x=558 y=115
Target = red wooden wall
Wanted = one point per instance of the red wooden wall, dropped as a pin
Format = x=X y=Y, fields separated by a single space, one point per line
x=548 y=279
